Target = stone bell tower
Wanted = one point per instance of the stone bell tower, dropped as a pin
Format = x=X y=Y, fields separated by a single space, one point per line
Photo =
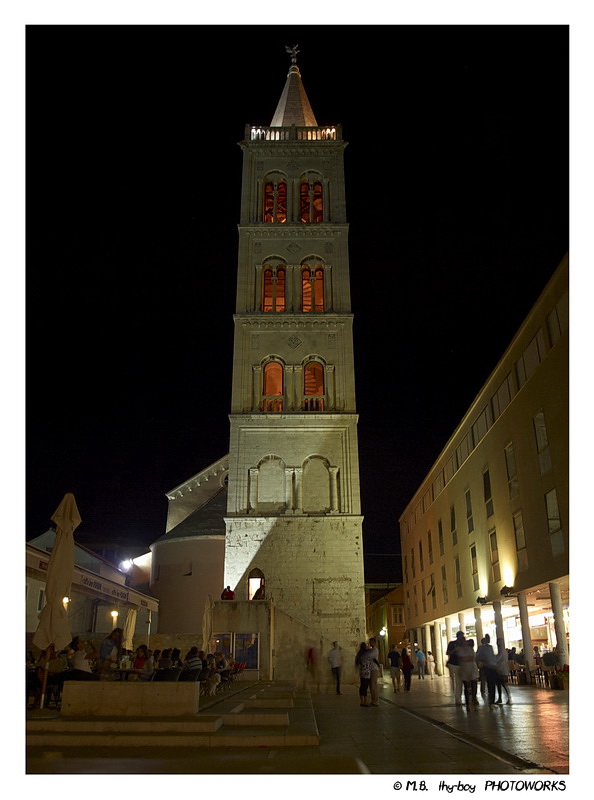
x=293 y=522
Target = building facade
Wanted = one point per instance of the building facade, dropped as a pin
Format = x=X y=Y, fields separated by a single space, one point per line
x=485 y=539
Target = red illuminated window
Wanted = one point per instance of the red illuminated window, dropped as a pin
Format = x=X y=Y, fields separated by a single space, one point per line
x=272 y=390
x=312 y=291
x=311 y=202
x=273 y=290
x=275 y=202
x=313 y=387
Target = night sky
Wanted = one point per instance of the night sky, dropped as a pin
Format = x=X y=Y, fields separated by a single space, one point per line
x=457 y=197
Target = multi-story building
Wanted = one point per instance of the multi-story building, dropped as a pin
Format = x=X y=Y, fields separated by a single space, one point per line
x=485 y=538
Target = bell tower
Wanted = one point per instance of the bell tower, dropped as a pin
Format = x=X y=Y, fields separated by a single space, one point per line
x=293 y=522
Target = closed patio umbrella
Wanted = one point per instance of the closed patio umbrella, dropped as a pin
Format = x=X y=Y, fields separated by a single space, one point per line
x=54 y=625
x=129 y=627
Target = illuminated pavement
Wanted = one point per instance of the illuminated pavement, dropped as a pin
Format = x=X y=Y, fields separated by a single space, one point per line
x=418 y=733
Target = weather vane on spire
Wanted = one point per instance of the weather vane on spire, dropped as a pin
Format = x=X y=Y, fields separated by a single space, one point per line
x=292 y=51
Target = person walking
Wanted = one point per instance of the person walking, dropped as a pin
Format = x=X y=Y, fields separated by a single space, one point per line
x=453 y=666
x=335 y=661
x=468 y=670
x=395 y=660
x=486 y=657
x=407 y=668
x=420 y=656
x=363 y=664
x=502 y=677
x=373 y=656
x=430 y=664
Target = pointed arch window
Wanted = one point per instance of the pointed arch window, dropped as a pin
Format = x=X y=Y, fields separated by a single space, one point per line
x=273 y=387
x=313 y=387
x=273 y=290
x=275 y=201
x=311 y=202
x=312 y=290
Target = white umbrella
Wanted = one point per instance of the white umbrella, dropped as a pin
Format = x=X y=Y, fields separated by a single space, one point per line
x=207 y=624
x=129 y=627
x=54 y=625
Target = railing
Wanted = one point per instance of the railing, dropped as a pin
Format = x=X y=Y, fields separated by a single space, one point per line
x=273 y=134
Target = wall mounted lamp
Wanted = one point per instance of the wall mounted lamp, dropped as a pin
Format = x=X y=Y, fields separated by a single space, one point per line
x=507 y=590
x=481 y=601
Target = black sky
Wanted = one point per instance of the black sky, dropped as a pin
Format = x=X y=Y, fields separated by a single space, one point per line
x=457 y=198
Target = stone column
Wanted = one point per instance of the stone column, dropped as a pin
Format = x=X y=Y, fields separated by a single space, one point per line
x=289 y=491
x=257 y=388
x=329 y=388
x=253 y=501
x=427 y=641
x=333 y=489
x=526 y=638
x=462 y=623
x=557 y=604
x=478 y=624
x=438 y=653
x=298 y=490
x=498 y=621
x=448 y=624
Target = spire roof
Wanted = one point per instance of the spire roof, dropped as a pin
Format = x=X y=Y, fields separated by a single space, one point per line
x=293 y=107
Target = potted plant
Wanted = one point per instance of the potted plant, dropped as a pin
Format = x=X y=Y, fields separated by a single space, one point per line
x=562 y=677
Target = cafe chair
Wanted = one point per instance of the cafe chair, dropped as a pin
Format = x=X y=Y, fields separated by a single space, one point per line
x=170 y=674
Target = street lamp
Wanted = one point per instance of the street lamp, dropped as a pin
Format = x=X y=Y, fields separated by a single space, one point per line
x=114 y=618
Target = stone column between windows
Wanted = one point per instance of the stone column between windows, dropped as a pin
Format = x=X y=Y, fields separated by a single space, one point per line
x=289 y=288
x=257 y=388
x=526 y=636
x=498 y=621
x=289 y=490
x=298 y=471
x=557 y=604
x=439 y=662
x=330 y=388
x=253 y=490
x=478 y=624
x=333 y=489
x=297 y=397
x=258 y=289
x=289 y=378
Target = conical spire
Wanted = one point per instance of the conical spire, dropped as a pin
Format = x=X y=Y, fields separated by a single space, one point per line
x=293 y=108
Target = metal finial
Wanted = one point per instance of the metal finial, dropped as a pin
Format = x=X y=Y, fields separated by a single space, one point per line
x=292 y=51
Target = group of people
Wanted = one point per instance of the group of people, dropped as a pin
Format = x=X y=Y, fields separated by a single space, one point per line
x=468 y=668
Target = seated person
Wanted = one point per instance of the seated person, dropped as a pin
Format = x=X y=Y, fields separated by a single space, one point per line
x=165 y=662
x=84 y=653
x=193 y=659
x=143 y=665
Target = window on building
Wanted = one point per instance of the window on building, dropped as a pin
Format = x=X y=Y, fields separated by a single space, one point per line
x=423 y=596
x=431 y=591
x=474 y=567
x=438 y=483
x=458 y=577
x=554 y=523
x=542 y=443
x=313 y=387
x=430 y=547
x=530 y=358
x=487 y=493
x=464 y=449
x=273 y=389
x=502 y=397
x=41 y=599
x=412 y=563
x=512 y=471
x=440 y=537
x=520 y=537
x=273 y=290
x=397 y=613
x=416 y=600
x=311 y=202
x=453 y=525
x=312 y=290
x=482 y=424
x=405 y=569
x=495 y=566
x=469 y=519
x=421 y=564
x=444 y=584
x=275 y=201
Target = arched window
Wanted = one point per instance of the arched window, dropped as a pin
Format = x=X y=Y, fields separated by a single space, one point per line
x=313 y=387
x=273 y=389
x=275 y=201
x=311 y=202
x=312 y=290
x=273 y=290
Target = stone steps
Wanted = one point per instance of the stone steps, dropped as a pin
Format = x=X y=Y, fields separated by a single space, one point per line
x=261 y=715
